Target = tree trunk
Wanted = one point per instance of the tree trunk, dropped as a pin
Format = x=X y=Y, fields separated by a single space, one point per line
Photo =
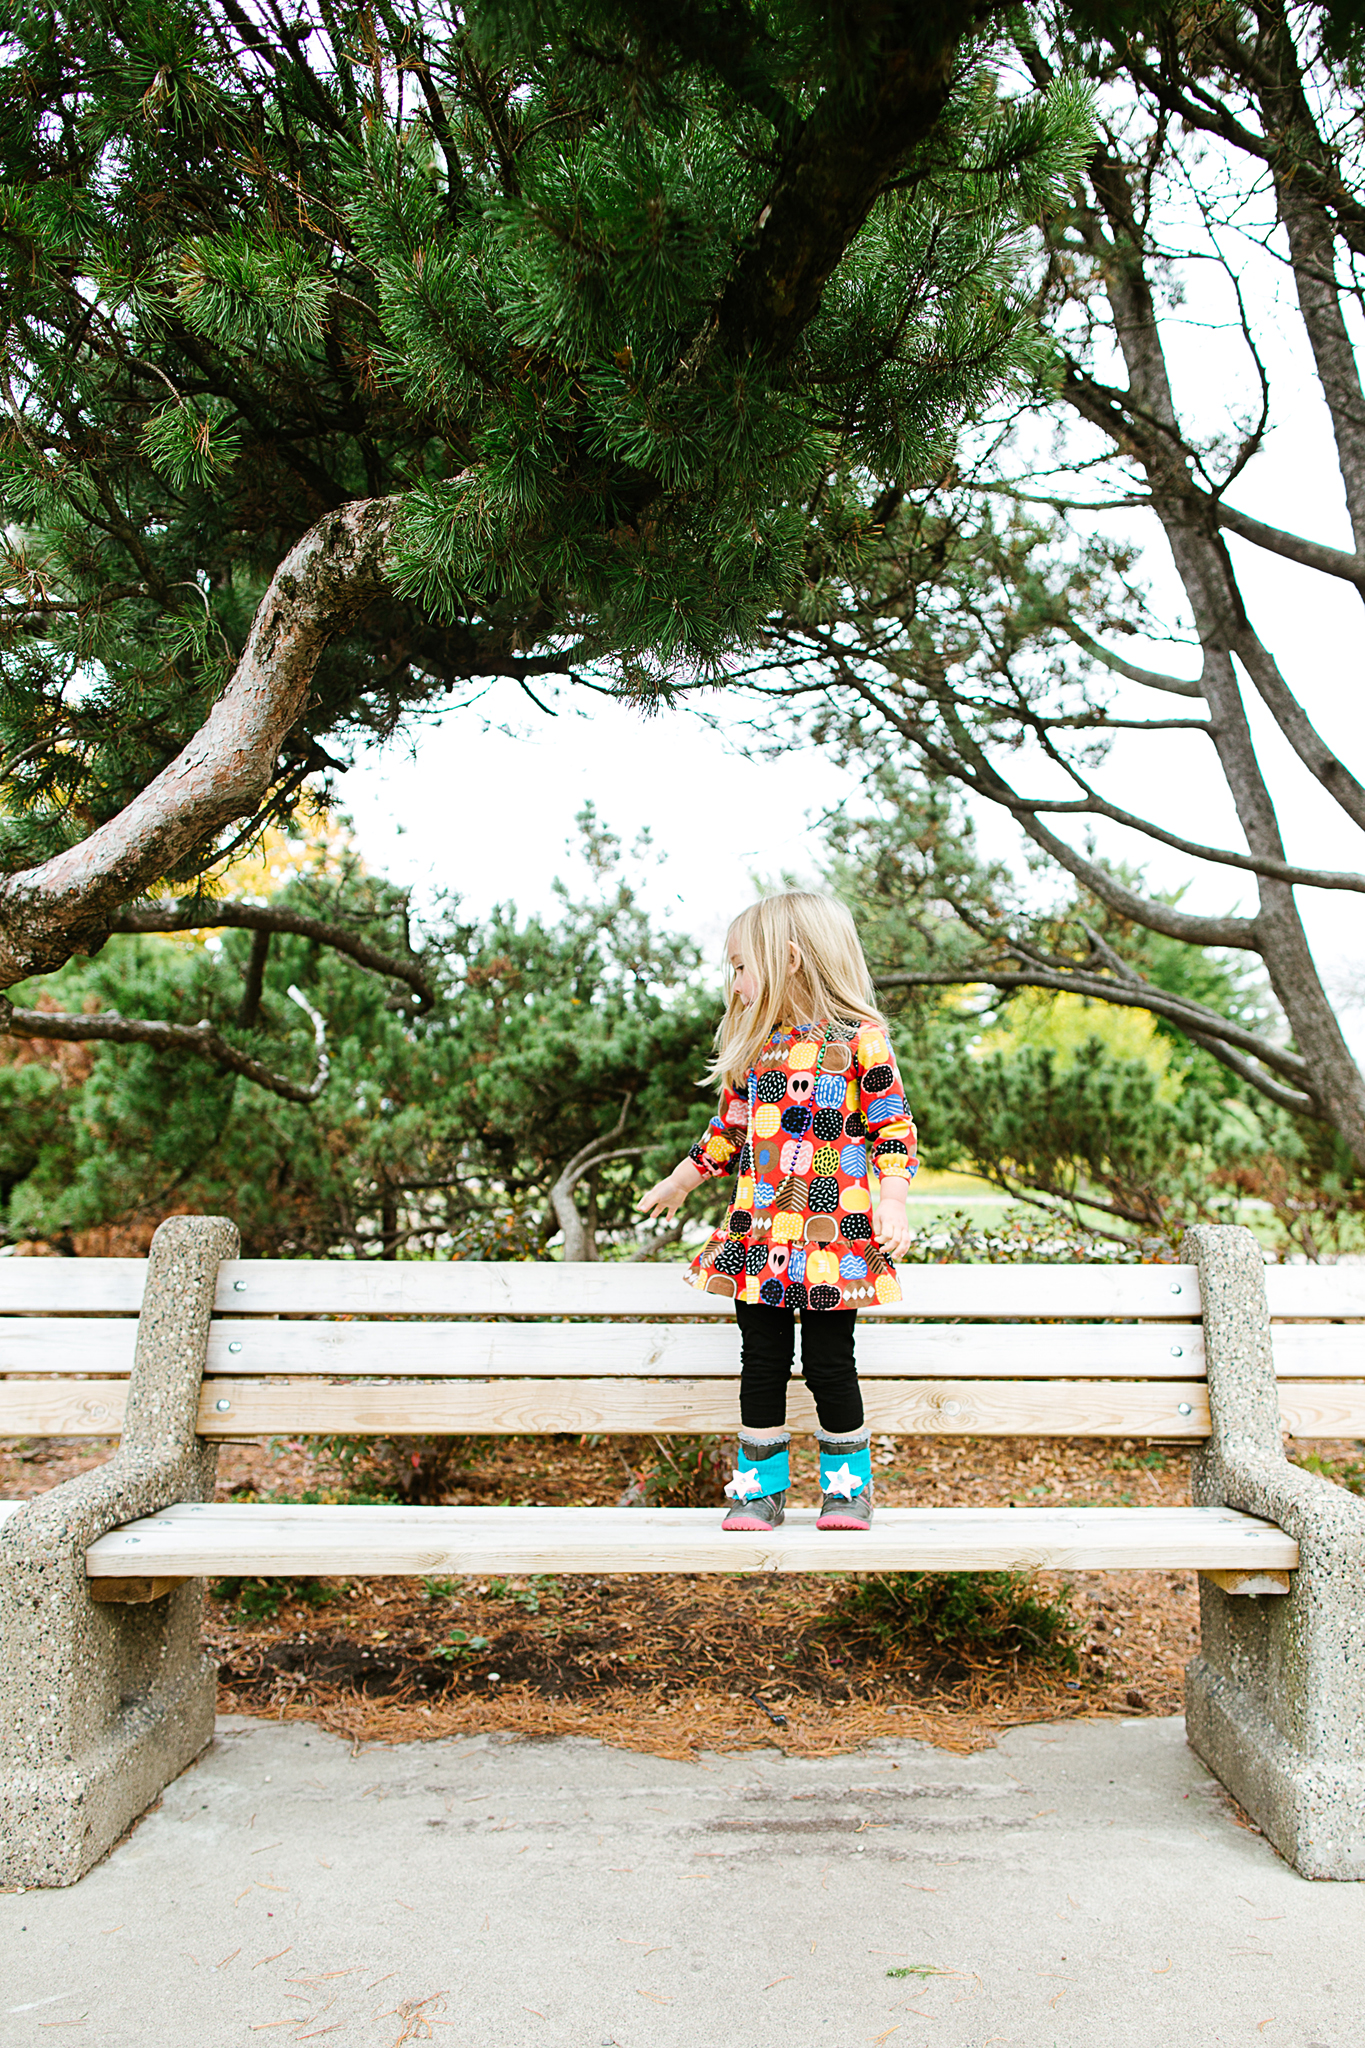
x=249 y=1009
x=1205 y=569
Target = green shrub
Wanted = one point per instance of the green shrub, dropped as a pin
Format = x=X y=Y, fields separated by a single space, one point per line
x=990 y=1615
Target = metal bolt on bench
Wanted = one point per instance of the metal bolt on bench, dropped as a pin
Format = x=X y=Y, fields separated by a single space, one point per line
x=105 y=1694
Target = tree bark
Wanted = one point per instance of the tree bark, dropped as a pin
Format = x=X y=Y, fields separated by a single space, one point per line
x=249 y=1009
x=853 y=143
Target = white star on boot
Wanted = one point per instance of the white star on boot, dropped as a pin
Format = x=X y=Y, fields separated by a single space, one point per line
x=745 y=1484
x=840 y=1479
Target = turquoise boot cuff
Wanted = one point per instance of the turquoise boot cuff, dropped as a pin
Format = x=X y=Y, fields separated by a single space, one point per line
x=761 y=1469
x=845 y=1464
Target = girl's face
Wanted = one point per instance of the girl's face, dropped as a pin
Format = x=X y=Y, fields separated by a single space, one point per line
x=746 y=981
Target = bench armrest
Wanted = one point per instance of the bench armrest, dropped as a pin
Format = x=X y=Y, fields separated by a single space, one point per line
x=160 y=1459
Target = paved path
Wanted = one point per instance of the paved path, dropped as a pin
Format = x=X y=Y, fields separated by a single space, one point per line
x=1081 y=1886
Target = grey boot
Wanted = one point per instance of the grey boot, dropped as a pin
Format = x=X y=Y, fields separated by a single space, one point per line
x=845 y=1480
x=758 y=1491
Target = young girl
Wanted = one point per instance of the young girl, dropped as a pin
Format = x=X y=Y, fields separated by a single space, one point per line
x=810 y=1104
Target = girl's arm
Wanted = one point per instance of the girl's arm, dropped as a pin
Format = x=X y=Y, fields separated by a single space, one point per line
x=891 y=1138
x=715 y=1152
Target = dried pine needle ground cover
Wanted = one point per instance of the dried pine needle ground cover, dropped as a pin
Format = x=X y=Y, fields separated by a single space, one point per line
x=687 y=1660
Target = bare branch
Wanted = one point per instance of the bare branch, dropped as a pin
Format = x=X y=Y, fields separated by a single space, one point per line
x=1310 y=554
x=202 y=913
x=202 y=1040
x=1149 y=677
x=1256 y=864
x=1294 y=722
x=1157 y=917
x=1286 y=1098
x=1191 y=1018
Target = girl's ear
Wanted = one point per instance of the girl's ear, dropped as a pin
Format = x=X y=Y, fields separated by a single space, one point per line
x=796 y=959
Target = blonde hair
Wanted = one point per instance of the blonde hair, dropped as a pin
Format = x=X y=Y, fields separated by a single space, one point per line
x=808 y=959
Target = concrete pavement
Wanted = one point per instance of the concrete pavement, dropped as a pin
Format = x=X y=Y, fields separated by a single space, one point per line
x=1084 y=1883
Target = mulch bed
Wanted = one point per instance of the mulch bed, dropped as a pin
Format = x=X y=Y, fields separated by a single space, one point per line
x=675 y=1663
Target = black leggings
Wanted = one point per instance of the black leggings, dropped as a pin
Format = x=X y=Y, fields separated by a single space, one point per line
x=767 y=1351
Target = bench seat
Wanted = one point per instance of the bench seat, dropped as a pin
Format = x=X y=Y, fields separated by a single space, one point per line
x=238 y=1541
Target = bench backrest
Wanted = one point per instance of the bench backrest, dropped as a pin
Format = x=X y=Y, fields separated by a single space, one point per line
x=379 y=1348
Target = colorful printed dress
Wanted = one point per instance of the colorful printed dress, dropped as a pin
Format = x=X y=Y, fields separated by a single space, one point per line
x=823 y=1108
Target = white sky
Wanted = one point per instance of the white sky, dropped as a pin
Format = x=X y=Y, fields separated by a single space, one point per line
x=483 y=801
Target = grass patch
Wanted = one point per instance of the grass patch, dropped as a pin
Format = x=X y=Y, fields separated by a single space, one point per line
x=1349 y=1473
x=262 y=1599
x=995 y=1617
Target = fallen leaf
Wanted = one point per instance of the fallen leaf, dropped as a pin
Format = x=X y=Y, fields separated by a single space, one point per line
x=273 y=1959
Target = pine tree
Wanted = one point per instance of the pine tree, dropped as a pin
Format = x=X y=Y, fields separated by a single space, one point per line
x=352 y=356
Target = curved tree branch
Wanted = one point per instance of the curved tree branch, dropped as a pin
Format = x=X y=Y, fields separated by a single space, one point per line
x=202 y=1040
x=322 y=586
x=1149 y=677
x=201 y=913
x=1309 y=554
x=577 y=1244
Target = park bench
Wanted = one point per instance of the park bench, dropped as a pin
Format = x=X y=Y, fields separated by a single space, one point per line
x=105 y=1693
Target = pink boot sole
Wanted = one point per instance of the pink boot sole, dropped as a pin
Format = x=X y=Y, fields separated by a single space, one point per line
x=839 y=1521
x=753 y=1523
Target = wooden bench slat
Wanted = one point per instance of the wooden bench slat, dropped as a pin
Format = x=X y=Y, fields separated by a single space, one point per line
x=634 y=1407
x=1111 y=1408
x=67 y=1344
x=609 y=1350
x=256 y=1348
x=70 y=1286
x=1316 y=1290
x=286 y=1511
x=545 y=1287
x=53 y=1407
x=255 y=1541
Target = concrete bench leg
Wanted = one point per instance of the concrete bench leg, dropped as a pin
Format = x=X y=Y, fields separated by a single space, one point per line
x=102 y=1705
x=1275 y=1700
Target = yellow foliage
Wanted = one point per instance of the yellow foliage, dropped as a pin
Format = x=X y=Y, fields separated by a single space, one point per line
x=1061 y=1023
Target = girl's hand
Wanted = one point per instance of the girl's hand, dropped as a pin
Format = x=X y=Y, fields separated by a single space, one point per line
x=891 y=1225
x=665 y=1198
